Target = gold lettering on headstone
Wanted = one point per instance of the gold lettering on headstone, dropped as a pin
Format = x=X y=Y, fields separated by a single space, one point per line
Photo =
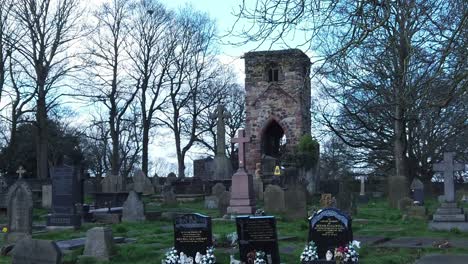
x=192 y=236
x=329 y=227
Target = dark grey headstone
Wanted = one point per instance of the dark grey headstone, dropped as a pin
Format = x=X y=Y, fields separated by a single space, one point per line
x=33 y=251
x=20 y=211
x=66 y=194
x=330 y=228
x=257 y=233
x=192 y=233
x=274 y=199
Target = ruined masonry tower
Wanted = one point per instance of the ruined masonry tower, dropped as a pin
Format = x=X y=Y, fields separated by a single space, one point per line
x=277 y=85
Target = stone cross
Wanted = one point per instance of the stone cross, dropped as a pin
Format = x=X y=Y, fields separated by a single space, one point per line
x=448 y=166
x=241 y=139
x=220 y=114
x=20 y=172
x=363 y=191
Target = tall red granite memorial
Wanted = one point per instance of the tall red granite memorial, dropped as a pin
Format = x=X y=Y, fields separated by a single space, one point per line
x=242 y=193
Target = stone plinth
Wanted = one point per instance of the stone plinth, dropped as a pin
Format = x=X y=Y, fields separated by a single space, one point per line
x=242 y=194
x=449 y=216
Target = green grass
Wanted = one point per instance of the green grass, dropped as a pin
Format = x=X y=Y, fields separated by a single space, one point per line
x=154 y=238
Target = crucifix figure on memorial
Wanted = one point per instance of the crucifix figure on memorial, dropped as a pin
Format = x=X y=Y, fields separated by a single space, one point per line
x=20 y=172
x=242 y=194
x=448 y=166
x=222 y=165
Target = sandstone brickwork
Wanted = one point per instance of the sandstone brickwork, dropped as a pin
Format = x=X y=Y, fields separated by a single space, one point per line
x=277 y=88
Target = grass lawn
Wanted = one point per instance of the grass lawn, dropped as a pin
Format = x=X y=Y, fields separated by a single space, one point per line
x=153 y=238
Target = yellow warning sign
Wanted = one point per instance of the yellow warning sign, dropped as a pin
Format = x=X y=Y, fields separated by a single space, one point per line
x=277 y=171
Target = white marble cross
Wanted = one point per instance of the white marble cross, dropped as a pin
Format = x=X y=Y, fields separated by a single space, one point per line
x=448 y=166
x=20 y=172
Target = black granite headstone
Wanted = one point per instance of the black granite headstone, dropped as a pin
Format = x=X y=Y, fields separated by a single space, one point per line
x=257 y=233
x=329 y=229
x=192 y=234
x=66 y=194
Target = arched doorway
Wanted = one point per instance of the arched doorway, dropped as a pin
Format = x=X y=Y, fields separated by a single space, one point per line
x=273 y=140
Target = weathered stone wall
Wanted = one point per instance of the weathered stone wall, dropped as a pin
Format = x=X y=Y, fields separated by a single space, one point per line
x=286 y=101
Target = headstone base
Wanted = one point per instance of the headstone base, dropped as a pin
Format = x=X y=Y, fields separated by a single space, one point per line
x=63 y=220
x=363 y=199
x=447 y=226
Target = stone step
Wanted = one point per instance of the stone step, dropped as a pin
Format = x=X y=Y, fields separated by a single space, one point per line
x=449 y=211
x=448 y=205
x=449 y=218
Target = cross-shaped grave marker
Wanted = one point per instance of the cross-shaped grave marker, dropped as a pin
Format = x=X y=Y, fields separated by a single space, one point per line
x=241 y=139
x=448 y=166
x=220 y=115
x=20 y=172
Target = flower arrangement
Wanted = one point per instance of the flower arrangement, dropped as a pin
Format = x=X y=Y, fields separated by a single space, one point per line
x=348 y=254
x=209 y=258
x=310 y=252
x=171 y=257
x=260 y=257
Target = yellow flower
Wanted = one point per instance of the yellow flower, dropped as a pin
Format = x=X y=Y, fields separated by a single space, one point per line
x=4 y=230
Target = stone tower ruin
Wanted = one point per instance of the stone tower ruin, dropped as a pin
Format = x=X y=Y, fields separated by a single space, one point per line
x=277 y=85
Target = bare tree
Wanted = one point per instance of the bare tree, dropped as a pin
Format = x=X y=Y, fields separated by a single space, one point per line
x=5 y=34
x=46 y=29
x=150 y=55
x=190 y=90
x=108 y=68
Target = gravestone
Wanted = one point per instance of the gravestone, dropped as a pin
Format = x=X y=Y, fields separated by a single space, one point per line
x=274 y=199
x=295 y=201
x=223 y=202
x=258 y=189
x=89 y=187
x=3 y=192
x=112 y=184
x=218 y=189
x=20 y=211
x=99 y=243
x=363 y=198
x=141 y=183
x=33 y=251
x=170 y=179
x=257 y=233
x=222 y=164
x=417 y=188
x=211 y=202
x=192 y=234
x=66 y=195
x=47 y=196
x=133 y=209
x=329 y=229
x=168 y=195
x=242 y=194
x=449 y=216
x=203 y=169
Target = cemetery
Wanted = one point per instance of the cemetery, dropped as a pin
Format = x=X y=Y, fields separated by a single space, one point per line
x=128 y=138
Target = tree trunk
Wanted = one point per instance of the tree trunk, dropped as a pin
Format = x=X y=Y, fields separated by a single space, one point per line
x=42 y=142
x=144 y=155
x=180 y=158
